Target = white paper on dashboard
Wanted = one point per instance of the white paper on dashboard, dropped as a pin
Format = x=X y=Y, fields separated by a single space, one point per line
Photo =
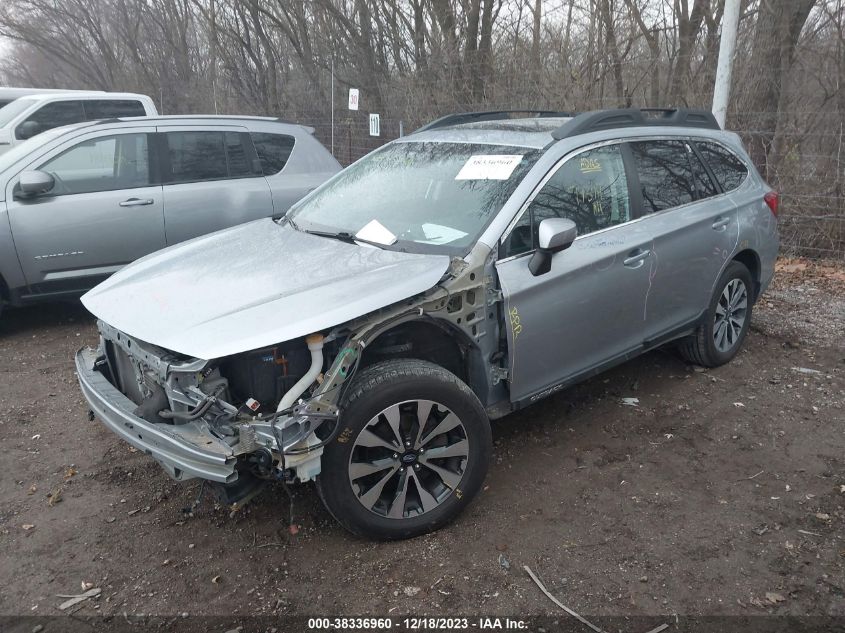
x=439 y=234
x=489 y=167
x=375 y=231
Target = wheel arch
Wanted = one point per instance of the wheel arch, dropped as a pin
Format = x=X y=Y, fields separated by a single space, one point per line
x=434 y=340
x=751 y=260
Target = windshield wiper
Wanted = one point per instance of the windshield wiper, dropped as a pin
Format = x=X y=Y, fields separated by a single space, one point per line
x=343 y=236
x=346 y=236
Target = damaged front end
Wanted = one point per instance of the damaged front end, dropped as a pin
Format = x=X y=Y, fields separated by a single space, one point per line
x=266 y=414
x=243 y=418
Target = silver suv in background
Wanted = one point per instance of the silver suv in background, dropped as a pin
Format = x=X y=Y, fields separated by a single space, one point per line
x=78 y=203
x=30 y=115
x=450 y=277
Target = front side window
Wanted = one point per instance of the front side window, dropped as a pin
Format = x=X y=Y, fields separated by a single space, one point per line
x=665 y=174
x=590 y=189
x=112 y=109
x=418 y=196
x=101 y=164
x=208 y=155
x=726 y=167
x=50 y=115
x=273 y=150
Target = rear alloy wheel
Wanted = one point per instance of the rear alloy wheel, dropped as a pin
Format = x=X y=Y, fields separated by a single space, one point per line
x=729 y=320
x=720 y=336
x=412 y=452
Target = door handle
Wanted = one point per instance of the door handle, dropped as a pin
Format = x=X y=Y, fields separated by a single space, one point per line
x=720 y=223
x=636 y=257
x=137 y=202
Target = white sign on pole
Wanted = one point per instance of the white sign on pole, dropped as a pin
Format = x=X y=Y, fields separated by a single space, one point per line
x=375 y=125
x=353 y=98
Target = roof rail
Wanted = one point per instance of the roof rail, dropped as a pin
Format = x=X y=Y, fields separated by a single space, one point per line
x=491 y=115
x=635 y=117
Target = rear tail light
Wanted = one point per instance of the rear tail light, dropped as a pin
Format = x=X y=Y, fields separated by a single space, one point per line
x=772 y=199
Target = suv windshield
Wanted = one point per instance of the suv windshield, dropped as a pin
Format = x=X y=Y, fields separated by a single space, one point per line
x=419 y=196
x=19 y=150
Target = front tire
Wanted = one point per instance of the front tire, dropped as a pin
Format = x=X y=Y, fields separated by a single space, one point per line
x=412 y=452
x=720 y=336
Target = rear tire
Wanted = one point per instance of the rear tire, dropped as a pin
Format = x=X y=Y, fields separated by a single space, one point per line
x=720 y=336
x=412 y=452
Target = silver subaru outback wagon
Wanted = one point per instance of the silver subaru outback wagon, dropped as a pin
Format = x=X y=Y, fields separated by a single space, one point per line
x=451 y=277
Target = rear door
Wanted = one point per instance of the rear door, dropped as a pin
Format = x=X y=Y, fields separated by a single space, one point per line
x=693 y=228
x=104 y=211
x=212 y=180
x=587 y=311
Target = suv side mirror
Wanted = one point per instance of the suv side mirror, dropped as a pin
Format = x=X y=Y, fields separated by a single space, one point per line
x=33 y=183
x=28 y=129
x=555 y=234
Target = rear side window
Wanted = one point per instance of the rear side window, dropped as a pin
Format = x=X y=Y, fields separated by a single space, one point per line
x=666 y=178
x=725 y=165
x=50 y=115
x=112 y=109
x=119 y=161
x=273 y=151
x=209 y=155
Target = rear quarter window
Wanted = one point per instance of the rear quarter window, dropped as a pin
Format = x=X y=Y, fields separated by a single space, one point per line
x=726 y=166
x=273 y=150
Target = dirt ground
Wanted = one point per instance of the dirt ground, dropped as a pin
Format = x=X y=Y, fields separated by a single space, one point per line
x=721 y=492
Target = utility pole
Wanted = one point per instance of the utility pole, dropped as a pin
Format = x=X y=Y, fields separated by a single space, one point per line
x=332 y=106
x=727 y=48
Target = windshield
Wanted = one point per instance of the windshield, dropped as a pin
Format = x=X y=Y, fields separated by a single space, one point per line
x=418 y=196
x=13 y=109
x=18 y=151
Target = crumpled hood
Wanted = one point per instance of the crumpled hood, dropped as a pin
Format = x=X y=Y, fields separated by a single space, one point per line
x=255 y=285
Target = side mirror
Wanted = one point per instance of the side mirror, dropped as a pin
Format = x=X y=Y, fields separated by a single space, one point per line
x=555 y=234
x=33 y=183
x=28 y=129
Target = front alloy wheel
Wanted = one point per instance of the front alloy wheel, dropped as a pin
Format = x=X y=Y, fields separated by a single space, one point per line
x=408 y=459
x=412 y=451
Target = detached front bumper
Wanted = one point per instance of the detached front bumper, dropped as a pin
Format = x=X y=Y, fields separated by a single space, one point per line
x=184 y=450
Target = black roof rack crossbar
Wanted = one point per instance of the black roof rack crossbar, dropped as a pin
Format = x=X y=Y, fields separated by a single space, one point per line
x=492 y=115
x=635 y=117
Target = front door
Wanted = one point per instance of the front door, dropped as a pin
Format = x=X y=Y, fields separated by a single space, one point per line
x=588 y=311
x=102 y=213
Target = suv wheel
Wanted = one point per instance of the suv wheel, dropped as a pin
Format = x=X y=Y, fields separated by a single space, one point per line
x=412 y=451
x=720 y=336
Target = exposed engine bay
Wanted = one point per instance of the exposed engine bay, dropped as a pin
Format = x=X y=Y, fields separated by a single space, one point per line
x=262 y=407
